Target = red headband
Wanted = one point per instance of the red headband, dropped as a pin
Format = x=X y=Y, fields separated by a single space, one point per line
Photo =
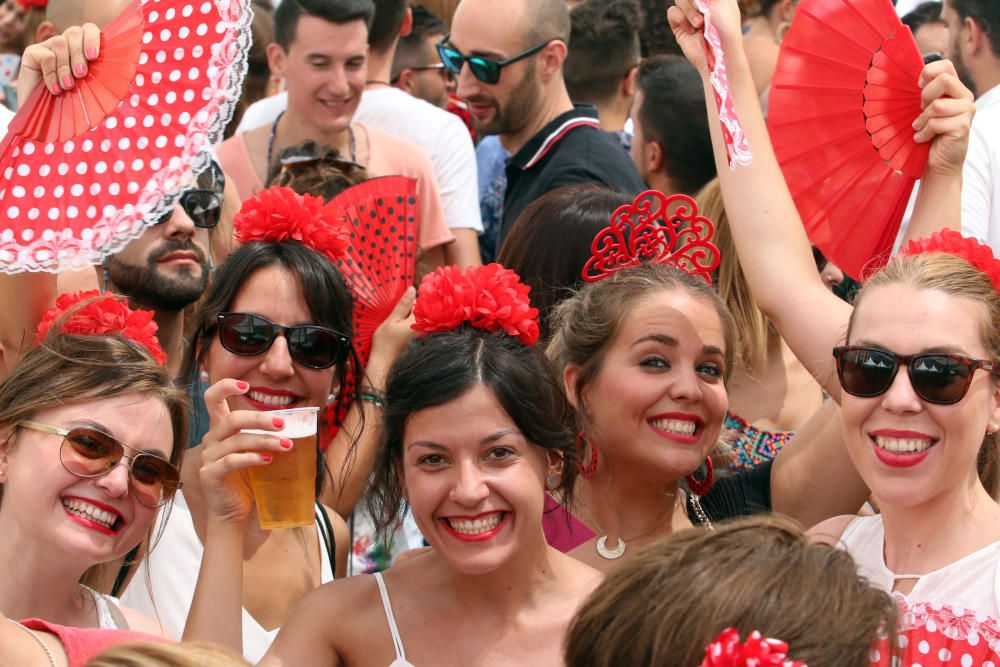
x=280 y=214
x=728 y=651
x=951 y=242
x=487 y=297
x=657 y=229
x=104 y=314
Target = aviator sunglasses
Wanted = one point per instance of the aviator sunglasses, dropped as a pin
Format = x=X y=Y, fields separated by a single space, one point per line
x=937 y=378
x=204 y=207
x=87 y=452
x=485 y=69
x=309 y=345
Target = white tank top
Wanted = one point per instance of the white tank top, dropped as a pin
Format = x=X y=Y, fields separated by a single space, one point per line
x=972 y=582
x=397 y=641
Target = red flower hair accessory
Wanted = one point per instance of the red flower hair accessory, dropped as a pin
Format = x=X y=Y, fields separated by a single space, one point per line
x=487 y=297
x=26 y=5
x=728 y=651
x=100 y=315
x=953 y=243
x=658 y=229
x=280 y=214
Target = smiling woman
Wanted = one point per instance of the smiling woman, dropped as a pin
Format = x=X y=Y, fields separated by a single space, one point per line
x=476 y=428
x=91 y=436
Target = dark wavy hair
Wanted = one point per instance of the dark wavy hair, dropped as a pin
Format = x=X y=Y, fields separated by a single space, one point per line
x=438 y=368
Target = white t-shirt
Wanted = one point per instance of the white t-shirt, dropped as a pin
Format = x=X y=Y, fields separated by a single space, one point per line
x=6 y=115
x=981 y=175
x=441 y=134
x=904 y=7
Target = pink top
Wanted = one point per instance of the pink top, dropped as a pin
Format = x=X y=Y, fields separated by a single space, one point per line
x=563 y=531
x=82 y=644
x=387 y=156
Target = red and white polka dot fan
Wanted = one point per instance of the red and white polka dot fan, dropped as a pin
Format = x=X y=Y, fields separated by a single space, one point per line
x=82 y=172
x=932 y=634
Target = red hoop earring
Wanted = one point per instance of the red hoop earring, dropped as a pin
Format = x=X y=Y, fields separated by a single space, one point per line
x=701 y=487
x=586 y=471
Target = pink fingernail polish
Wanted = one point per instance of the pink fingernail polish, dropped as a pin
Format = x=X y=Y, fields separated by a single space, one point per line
x=91 y=52
x=80 y=70
x=278 y=422
x=54 y=89
x=67 y=81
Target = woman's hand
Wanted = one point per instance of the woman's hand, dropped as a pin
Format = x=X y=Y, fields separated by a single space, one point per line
x=391 y=337
x=227 y=453
x=948 y=109
x=688 y=25
x=59 y=60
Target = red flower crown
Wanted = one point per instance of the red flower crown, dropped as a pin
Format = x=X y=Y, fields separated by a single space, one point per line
x=728 y=651
x=487 y=297
x=280 y=214
x=658 y=229
x=103 y=314
x=953 y=243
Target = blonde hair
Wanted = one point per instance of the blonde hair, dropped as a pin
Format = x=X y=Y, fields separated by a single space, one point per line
x=677 y=595
x=756 y=330
x=153 y=654
x=956 y=277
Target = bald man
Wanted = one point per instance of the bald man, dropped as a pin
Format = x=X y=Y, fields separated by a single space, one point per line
x=61 y=14
x=525 y=103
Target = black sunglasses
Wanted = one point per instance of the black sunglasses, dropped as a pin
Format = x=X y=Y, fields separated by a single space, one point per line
x=92 y=453
x=486 y=70
x=204 y=207
x=937 y=378
x=309 y=345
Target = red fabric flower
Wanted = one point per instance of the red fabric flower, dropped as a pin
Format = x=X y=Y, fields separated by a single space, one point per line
x=487 y=297
x=953 y=243
x=728 y=651
x=101 y=315
x=26 y=5
x=280 y=214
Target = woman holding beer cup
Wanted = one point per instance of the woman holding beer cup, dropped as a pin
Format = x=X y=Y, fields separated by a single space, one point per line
x=475 y=429
x=274 y=333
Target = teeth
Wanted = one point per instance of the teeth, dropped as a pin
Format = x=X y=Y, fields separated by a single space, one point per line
x=475 y=526
x=88 y=511
x=902 y=445
x=270 y=399
x=682 y=427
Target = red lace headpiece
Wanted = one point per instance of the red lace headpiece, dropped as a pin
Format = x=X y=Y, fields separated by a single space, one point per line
x=280 y=214
x=728 y=651
x=487 y=297
x=103 y=314
x=953 y=243
x=658 y=229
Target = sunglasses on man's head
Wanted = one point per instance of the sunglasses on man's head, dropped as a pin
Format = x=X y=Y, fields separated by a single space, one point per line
x=485 y=69
x=204 y=207
x=309 y=345
x=935 y=377
x=88 y=452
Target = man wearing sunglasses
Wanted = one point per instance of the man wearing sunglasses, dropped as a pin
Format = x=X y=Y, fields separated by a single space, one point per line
x=508 y=57
x=416 y=67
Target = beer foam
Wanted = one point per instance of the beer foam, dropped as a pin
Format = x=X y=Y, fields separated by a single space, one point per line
x=300 y=423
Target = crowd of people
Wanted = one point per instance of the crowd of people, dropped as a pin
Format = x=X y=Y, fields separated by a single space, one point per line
x=588 y=395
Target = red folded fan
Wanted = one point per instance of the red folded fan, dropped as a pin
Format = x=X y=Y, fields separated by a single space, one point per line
x=843 y=99
x=83 y=171
x=933 y=635
x=380 y=262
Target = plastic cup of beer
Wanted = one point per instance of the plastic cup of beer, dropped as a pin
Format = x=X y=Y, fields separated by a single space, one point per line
x=285 y=489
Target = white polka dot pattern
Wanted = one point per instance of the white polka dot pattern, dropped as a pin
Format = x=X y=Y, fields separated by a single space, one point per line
x=84 y=170
x=933 y=634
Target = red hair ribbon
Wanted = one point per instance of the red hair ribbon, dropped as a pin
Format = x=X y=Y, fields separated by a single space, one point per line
x=728 y=651
x=953 y=243
x=658 y=229
x=487 y=297
x=102 y=315
x=280 y=214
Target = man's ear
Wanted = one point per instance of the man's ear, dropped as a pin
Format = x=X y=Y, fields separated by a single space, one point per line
x=630 y=84
x=405 y=80
x=653 y=155
x=407 y=27
x=551 y=59
x=975 y=38
x=276 y=58
x=45 y=30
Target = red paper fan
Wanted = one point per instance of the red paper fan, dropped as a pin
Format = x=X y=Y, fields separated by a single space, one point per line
x=380 y=263
x=939 y=634
x=843 y=98
x=83 y=170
